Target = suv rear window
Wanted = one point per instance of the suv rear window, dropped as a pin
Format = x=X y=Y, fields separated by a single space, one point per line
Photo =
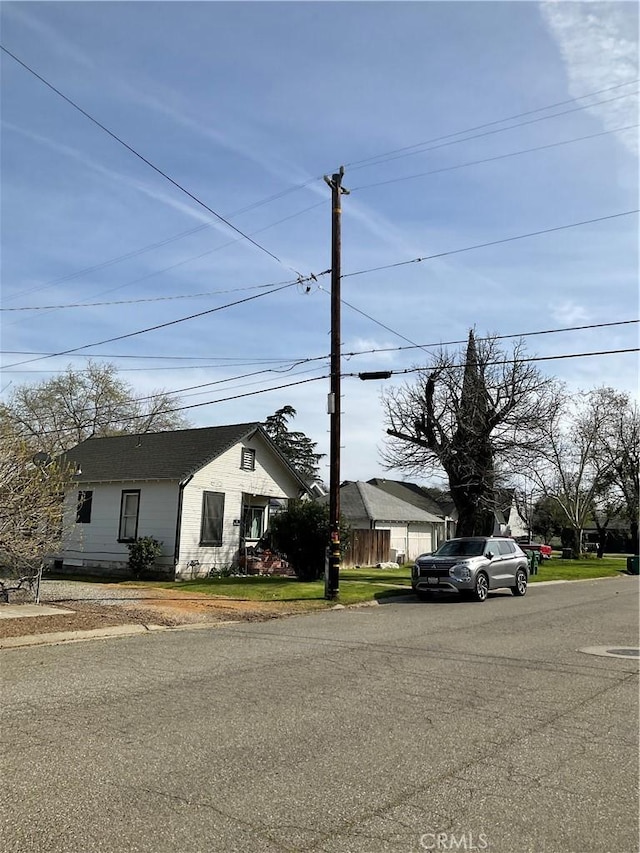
x=506 y=547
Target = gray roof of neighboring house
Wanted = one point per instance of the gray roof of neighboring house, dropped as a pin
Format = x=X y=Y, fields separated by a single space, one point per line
x=171 y=455
x=411 y=493
x=362 y=500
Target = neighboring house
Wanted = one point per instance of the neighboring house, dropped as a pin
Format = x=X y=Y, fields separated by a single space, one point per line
x=413 y=531
x=423 y=499
x=616 y=532
x=507 y=521
x=206 y=494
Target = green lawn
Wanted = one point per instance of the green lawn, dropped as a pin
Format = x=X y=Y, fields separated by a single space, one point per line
x=367 y=584
x=356 y=585
x=572 y=570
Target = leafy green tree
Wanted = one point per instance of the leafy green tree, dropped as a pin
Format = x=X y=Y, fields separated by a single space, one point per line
x=298 y=448
x=548 y=519
x=56 y=414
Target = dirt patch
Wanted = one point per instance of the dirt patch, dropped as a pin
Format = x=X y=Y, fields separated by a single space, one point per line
x=168 y=608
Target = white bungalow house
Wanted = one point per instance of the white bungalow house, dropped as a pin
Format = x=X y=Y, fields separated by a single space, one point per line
x=206 y=494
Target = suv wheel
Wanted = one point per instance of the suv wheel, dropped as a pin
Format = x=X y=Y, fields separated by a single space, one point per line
x=481 y=589
x=521 y=583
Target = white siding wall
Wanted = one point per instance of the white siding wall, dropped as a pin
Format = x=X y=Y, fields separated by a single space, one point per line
x=421 y=540
x=271 y=479
x=410 y=539
x=96 y=544
x=398 y=537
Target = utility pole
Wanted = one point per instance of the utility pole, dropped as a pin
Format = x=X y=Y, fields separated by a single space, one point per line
x=332 y=573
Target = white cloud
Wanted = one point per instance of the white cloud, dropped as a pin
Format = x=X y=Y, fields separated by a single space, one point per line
x=568 y=313
x=599 y=44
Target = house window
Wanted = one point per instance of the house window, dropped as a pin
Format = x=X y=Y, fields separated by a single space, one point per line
x=83 y=512
x=212 y=518
x=248 y=459
x=253 y=522
x=129 y=507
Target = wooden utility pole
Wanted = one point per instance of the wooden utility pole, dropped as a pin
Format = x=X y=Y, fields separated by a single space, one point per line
x=332 y=574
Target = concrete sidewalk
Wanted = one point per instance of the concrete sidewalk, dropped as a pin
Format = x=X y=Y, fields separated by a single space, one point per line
x=20 y=611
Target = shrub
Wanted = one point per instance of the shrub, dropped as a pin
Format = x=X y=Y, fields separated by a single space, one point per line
x=302 y=534
x=142 y=555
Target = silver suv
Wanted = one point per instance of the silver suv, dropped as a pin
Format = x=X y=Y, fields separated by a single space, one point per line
x=472 y=566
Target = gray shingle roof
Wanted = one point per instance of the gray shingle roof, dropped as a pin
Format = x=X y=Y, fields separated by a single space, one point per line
x=362 y=500
x=411 y=493
x=171 y=455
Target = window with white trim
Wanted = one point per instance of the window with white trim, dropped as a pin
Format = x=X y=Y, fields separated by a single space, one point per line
x=129 y=509
x=83 y=511
x=212 y=519
x=253 y=522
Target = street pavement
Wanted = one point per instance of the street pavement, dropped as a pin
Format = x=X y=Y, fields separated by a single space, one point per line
x=404 y=727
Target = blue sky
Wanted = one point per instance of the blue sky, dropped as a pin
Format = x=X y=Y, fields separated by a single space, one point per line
x=239 y=102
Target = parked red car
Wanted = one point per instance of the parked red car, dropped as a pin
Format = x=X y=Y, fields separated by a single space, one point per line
x=543 y=550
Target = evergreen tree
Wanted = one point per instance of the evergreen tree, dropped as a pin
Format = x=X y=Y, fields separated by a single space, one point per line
x=298 y=448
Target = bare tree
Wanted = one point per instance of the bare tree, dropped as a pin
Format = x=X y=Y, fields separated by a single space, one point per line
x=31 y=506
x=466 y=415
x=59 y=413
x=568 y=466
x=618 y=448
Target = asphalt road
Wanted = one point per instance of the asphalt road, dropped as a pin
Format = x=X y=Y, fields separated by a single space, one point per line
x=403 y=727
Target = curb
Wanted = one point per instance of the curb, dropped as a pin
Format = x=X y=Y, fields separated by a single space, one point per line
x=60 y=637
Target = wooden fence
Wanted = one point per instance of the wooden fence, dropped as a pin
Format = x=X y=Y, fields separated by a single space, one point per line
x=367 y=548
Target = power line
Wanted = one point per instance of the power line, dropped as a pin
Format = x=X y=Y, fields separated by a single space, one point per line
x=141 y=157
x=158 y=244
x=207 y=403
x=293 y=363
x=345 y=275
x=228 y=379
x=355 y=375
x=492 y=337
x=377 y=159
x=512 y=361
x=492 y=159
x=239 y=359
x=158 y=326
x=202 y=295
x=167 y=269
x=491 y=243
x=207 y=293
x=302 y=359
